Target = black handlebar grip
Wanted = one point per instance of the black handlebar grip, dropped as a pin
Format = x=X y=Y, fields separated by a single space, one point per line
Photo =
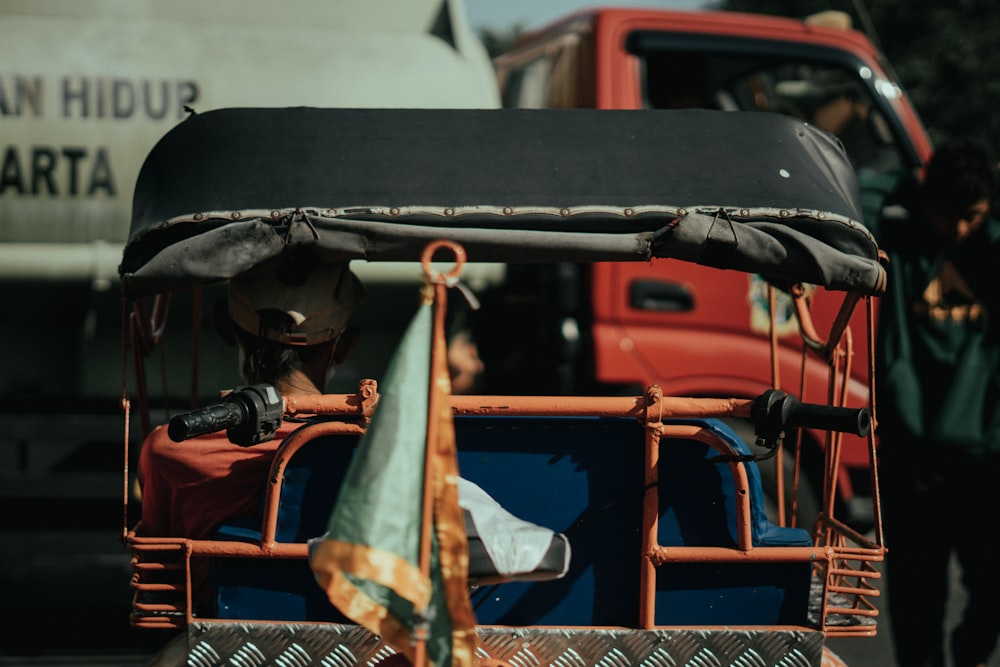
x=206 y=420
x=845 y=420
x=775 y=411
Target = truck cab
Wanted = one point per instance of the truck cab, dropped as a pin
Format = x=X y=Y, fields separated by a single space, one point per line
x=696 y=329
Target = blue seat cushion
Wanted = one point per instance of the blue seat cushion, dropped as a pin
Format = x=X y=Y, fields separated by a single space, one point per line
x=581 y=476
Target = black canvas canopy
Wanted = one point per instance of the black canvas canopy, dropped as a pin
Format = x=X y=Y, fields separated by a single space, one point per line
x=230 y=190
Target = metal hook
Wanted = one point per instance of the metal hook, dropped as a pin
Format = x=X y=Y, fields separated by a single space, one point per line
x=449 y=278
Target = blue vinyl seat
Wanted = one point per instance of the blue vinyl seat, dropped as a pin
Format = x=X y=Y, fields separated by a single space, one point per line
x=582 y=476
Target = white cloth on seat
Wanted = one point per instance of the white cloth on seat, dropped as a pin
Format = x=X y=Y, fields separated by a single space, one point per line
x=515 y=546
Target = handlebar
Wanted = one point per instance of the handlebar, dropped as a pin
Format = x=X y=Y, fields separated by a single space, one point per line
x=774 y=411
x=250 y=415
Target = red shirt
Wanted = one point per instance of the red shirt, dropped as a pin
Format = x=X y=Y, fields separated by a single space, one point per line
x=190 y=487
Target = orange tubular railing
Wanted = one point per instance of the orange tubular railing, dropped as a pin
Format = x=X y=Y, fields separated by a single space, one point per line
x=843 y=560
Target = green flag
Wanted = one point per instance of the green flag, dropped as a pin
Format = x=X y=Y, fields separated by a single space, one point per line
x=369 y=562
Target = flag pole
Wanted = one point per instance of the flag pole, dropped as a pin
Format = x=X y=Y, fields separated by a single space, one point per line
x=437 y=290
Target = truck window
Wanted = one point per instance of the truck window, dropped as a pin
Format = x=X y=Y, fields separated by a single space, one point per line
x=831 y=95
x=823 y=86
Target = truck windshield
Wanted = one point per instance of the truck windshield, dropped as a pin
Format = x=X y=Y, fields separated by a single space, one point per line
x=833 y=96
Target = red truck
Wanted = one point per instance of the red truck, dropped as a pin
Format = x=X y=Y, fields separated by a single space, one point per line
x=693 y=329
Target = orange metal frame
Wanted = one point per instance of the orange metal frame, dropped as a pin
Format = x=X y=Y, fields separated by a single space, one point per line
x=842 y=558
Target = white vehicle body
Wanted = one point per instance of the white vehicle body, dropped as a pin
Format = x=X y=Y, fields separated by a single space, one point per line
x=88 y=86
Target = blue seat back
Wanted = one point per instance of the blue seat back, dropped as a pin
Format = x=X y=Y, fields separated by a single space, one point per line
x=582 y=476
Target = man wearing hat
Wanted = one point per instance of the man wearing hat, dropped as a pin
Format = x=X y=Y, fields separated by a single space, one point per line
x=290 y=325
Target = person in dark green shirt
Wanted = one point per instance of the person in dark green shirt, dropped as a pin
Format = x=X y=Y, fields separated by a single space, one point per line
x=938 y=409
